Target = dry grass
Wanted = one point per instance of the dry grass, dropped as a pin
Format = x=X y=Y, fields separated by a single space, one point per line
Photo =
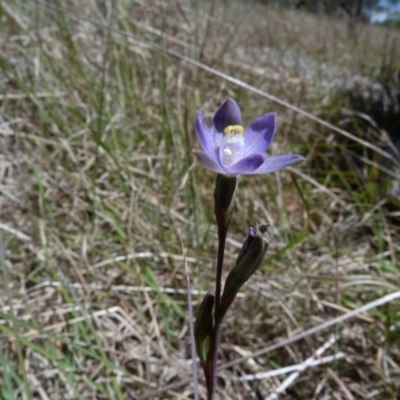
x=101 y=203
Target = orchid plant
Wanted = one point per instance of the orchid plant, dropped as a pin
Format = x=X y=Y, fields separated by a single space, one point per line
x=231 y=150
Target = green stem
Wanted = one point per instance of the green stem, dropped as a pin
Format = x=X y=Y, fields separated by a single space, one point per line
x=225 y=187
x=222 y=233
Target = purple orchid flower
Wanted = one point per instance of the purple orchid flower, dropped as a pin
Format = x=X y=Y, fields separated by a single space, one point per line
x=229 y=149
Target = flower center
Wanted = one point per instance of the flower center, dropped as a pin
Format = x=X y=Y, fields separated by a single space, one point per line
x=233 y=130
x=232 y=145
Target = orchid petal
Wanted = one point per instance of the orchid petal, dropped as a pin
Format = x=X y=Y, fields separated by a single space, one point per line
x=227 y=114
x=247 y=165
x=204 y=134
x=208 y=161
x=275 y=163
x=259 y=134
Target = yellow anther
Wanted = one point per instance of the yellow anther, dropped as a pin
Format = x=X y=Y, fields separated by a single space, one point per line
x=233 y=130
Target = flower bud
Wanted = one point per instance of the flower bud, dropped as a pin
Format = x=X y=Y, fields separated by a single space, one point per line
x=204 y=327
x=250 y=257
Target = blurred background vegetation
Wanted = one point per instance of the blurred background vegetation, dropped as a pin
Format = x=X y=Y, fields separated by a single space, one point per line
x=102 y=204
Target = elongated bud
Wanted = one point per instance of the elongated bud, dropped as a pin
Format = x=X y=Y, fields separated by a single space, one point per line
x=225 y=187
x=250 y=257
x=204 y=327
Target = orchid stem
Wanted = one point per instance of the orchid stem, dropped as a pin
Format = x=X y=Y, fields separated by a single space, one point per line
x=225 y=187
x=222 y=233
x=215 y=345
x=220 y=215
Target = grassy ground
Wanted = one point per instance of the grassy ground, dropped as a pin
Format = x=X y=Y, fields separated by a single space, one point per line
x=102 y=204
